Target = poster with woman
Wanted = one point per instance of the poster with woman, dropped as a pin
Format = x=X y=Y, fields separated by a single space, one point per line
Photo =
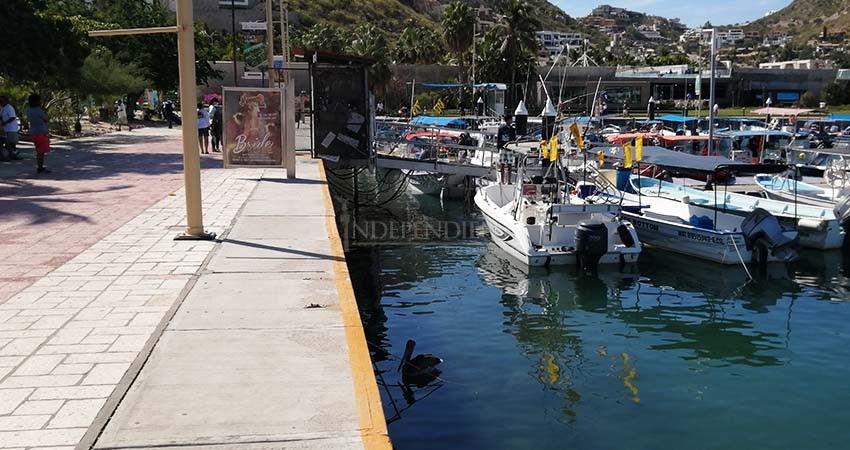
x=253 y=132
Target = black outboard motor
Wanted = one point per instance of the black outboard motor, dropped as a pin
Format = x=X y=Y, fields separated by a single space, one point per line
x=764 y=235
x=842 y=209
x=591 y=244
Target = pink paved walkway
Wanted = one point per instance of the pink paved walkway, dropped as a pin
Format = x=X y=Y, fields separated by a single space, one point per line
x=97 y=185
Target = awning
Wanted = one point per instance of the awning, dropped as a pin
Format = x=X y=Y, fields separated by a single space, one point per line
x=784 y=112
x=689 y=163
x=492 y=86
x=678 y=119
x=442 y=85
x=437 y=121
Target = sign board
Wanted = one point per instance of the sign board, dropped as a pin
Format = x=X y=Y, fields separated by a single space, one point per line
x=253 y=127
x=341 y=126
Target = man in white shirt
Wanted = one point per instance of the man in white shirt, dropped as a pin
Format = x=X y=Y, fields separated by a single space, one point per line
x=9 y=122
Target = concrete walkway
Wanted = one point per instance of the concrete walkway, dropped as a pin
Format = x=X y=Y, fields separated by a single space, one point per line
x=267 y=350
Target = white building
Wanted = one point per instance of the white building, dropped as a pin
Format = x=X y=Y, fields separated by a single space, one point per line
x=552 y=42
x=800 y=64
x=650 y=32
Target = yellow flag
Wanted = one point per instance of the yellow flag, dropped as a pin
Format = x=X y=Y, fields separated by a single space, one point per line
x=577 y=135
x=627 y=156
x=553 y=148
x=438 y=107
x=639 y=148
x=600 y=155
x=416 y=110
x=544 y=149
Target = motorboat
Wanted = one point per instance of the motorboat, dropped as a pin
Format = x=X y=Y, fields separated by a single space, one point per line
x=540 y=223
x=784 y=187
x=765 y=146
x=692 y=229
x=817 y=227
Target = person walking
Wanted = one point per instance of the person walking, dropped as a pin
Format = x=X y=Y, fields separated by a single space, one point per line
x=37 y=119
x=203 y=129
x=9 y=122
x=216 y=125
x=168 y=112
x=121 y=114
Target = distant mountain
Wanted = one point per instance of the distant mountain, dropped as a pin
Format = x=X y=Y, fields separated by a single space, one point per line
x=806 y=19
x=395 y=15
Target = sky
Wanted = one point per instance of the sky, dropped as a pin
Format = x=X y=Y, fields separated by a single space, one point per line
x=692 y=12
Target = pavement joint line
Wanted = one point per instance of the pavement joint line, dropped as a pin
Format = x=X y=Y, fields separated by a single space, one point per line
x=103 y=417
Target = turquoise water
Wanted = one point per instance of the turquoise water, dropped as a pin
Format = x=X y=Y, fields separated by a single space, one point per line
x=672 y=353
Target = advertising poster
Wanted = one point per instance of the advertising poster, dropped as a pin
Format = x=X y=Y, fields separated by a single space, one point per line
x=253 y=127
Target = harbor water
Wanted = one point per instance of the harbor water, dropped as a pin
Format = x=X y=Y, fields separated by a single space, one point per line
x=670 y=352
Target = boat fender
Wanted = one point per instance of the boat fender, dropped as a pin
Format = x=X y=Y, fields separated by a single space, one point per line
x=812 y=224
x=626 y=235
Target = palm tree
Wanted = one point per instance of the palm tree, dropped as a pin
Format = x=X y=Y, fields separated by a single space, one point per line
x=418 y=46
x=517 y=26
x=458 y=29
x=370 y=41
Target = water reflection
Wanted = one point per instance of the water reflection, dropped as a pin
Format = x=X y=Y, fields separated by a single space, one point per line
x=552 y=359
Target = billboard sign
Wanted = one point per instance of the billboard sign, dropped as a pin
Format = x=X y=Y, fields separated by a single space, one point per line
x=253 y=131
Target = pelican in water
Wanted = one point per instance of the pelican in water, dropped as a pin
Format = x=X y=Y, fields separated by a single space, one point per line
x=420 y=369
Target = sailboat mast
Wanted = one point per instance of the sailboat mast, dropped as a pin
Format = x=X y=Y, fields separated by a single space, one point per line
x=712 y=96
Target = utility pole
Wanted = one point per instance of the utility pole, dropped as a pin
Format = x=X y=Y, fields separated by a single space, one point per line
x=270 y=42
x=232 y=39
x=288 y=95
x=185 y=30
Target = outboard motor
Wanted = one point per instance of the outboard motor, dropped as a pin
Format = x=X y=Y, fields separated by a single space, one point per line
x=764 y=234
x=842 y=209
x=591 y=244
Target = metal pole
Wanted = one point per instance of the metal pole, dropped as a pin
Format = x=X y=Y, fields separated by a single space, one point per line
x=270 y=41
x=232 y=39
x=188 y=98
x=474 y=35
x=712 y=94
x=289 y=94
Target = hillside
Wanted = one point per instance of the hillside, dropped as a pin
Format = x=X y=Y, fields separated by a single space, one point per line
x=806 y=19
x=395 y=15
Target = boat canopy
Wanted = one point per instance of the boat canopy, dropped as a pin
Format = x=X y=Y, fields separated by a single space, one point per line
x=438 y=121
x=686 y=162
x=677 y=119
x=760 y=133
x=840 y=117
x=442 y=85
x=785 y=112
x=648 y=122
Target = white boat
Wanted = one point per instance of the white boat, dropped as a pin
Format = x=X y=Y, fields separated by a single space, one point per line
x=432 y=183
x=709 y=234
x=781 y=187
x=817 y=227
x=540 y=224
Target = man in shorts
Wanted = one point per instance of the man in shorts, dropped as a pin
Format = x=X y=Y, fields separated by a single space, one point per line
x=9 y=122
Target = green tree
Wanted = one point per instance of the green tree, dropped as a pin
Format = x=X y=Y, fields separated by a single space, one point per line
x=103 y=75
x=517 y=27
x=42 y=48
x=371 y=42
x=809 y=100
x=834 y=94
x=458 y=28
x=325 y=36
x=416 y=45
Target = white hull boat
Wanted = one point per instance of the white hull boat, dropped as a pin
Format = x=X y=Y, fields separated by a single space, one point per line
x=789 y=190
x=817 y=227
x=541 y=233
x=729 y=239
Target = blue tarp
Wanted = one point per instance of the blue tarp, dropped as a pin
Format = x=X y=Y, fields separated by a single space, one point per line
x=437 y=121
x=648 y=122
x=442 y=85
x=678 y=119
x=841 y=117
